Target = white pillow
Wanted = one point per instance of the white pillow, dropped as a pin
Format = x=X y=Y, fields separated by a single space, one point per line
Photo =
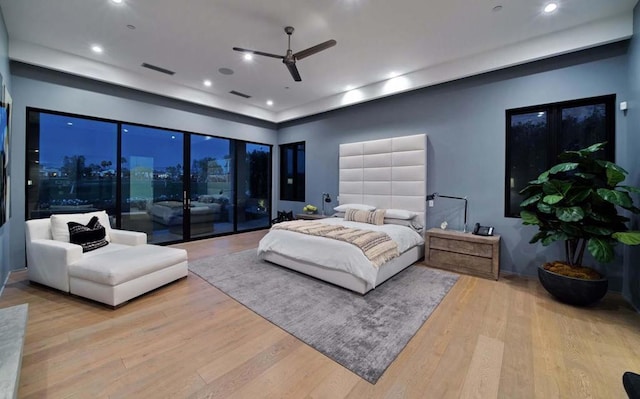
x=400 y=214
x=60 y=229
x=359 y=207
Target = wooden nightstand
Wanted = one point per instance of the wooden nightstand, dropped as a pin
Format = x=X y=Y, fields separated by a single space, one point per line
x=312 y=216
x=463 y=252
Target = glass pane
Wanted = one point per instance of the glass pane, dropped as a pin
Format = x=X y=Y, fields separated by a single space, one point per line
x=211 y=186
x=71 y=165
x=254 y=181
x=152 y=188
x=528 y=134
x=582 y=127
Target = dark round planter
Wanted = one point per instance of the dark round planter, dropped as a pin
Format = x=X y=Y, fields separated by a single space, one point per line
x=573 y=291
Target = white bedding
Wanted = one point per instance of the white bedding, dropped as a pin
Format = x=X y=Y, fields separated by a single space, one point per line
x=335 y=254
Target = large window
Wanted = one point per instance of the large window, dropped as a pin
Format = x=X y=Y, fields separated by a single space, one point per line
x=537 y=134
x=152 y=182
x=292 y=175
x=71 y=165
x=254 y=186
x=172 y=185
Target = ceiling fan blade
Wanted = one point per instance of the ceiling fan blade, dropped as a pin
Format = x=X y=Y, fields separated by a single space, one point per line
x=294 y=72
x=315 y=49
x=244 y=50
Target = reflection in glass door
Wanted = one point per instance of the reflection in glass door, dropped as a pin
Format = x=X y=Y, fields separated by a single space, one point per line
x=254 y=185
x=152 y=182
x=212 y=176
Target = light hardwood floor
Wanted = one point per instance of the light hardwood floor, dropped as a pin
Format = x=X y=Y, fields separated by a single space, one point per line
x=487 y=339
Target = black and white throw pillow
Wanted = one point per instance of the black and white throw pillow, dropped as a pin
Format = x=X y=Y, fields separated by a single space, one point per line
x=90 y=237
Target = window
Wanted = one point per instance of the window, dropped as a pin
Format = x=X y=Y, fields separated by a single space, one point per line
x=292 y=174
x=172 y=185
x=537 y=134
x=71 y=165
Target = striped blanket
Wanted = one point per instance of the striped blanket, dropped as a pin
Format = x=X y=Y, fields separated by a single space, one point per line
x=376 y=245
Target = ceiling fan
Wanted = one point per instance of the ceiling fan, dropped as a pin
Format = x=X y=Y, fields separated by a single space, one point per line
x=290 y=58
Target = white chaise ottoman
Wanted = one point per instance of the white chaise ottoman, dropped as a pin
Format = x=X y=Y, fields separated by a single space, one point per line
x=118 y=276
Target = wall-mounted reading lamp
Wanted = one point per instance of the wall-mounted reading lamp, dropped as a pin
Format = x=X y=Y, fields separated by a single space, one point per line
x=434 y=195
x=325 y=198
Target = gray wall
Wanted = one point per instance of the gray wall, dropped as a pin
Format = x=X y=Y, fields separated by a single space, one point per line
x=42 y=88
x=631 y=290
x=465 y=123
x=5 y=263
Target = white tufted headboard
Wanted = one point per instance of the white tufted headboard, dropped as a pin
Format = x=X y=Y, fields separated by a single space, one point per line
x=388 y=173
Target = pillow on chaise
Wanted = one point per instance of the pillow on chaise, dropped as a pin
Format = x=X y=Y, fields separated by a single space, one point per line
x=60 y=230
x=89 y=237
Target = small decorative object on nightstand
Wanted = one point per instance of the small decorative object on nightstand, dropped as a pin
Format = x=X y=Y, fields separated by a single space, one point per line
x=463 y=252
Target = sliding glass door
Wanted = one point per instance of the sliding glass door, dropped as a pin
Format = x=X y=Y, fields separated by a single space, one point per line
x=170 y=184
x=70 y=165
x=212 y=189
x=254 y=186
x=152 y=182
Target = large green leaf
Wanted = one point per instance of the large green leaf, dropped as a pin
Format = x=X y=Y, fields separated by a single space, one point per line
x=628 y=237
x=602 y=250
x=558 y=187
x=612 y=166
x=586 y=176
x=614 y=177
x=598 y=230
x=538 y=236
x=544 y=176
x=620 y=198
x=544 y=208
x=529 y=218
x=552 y=199
x=591 y=149
x=631 y=189
x=571 y=230
x=531 y=200
x=577 y=194
x=563 y=167
x=555 y=236
x=570 y=214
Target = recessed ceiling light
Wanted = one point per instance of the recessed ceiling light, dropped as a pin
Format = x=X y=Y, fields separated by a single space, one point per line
x=96 y=49
x=117 y=1
x=497 y=8
x=269 y=102
x=226 y=71
x=207 y=83
x=551 y=7
x=132 y=27
x=248 y=56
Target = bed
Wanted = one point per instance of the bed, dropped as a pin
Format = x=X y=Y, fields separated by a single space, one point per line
x=385 y=174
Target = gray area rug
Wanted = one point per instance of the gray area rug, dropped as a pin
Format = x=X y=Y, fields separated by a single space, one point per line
x=362 y=333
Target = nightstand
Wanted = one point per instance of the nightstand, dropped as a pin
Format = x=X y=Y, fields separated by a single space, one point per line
x=312 y=216
x=463 y=252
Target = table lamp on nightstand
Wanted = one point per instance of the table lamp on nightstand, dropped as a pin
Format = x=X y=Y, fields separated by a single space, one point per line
x=433 y=197
x=325 y=198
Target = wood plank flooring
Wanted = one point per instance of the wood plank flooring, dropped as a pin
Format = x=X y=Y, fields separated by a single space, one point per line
x=487 y=339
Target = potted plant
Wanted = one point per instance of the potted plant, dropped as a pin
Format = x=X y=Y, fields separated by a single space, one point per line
x=577 y=201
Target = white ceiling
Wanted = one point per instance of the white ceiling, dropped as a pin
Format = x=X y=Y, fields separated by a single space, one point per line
x=427 y=42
